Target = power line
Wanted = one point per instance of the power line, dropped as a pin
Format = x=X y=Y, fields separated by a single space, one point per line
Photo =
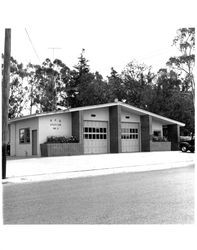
x=32 y=45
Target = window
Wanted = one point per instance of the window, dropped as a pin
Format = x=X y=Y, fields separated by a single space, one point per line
x=157 y=133
x=129 y=133
x=95 y=133
x=24 y=135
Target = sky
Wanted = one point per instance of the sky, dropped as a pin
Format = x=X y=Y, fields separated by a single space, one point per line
x=113 y=33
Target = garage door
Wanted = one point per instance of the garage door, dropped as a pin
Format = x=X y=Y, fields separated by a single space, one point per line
x=130 y=137
x=95 y=137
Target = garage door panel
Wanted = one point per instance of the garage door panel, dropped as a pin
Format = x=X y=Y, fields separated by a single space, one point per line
x=130 y=137
x=95 y=137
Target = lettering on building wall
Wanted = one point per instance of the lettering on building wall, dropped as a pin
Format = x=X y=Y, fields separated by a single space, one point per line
x=55 y=124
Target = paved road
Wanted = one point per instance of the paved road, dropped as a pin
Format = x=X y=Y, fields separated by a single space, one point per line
x=165 y=196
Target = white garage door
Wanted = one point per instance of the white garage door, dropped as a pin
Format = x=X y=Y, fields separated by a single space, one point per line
x=95 y=137
x=130 y=137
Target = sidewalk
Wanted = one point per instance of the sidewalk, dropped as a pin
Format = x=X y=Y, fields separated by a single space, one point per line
x=51 y=168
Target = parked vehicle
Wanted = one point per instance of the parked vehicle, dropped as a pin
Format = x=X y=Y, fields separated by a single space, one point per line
x=188 y=145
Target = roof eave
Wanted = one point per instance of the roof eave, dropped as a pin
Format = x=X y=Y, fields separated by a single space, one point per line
x=144 y=112
x=132 y=108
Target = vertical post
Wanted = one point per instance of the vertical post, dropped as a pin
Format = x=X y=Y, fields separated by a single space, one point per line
x=5 y=98
x=174 y=136
x=115 y=129
x=146 y=131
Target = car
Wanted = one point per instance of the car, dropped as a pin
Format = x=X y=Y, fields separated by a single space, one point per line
x=188 y=145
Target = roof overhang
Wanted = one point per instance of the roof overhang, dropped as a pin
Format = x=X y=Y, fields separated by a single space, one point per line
x=127 y=107
x=159 y=118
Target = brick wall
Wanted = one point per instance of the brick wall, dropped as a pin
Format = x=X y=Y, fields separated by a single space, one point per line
x=77 y=125
x=160 y=146
x=61 y=149
x=146 y=130
x=174 y=136
x=115 y=129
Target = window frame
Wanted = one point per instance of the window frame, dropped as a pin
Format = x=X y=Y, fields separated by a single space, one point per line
x=129 y=133
x=95 y=133
x=25 y=136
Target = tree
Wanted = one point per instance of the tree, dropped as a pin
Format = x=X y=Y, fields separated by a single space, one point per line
x=163 y=91
x=81 y=79
x=63 y=83
x=181 y=108
x=95 y=92
x=87 y=88
x=48 y=85
x=169 y=100
x=100 y=89
x=185 y=42
x=138 y=80
x=17 y=90
x=31 y=87
x=116 y=89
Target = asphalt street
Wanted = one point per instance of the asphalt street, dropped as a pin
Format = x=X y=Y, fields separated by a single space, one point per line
x=155 y=197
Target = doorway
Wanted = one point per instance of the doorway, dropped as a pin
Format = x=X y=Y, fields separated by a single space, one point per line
x=34 y=142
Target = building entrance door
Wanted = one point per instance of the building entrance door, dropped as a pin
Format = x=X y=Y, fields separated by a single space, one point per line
x=34 y=142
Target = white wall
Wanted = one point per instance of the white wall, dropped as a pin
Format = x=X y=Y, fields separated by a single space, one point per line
x=102 y=114
x=22 y=149
x=157 y=126
x=54 y=125
x=132 y=117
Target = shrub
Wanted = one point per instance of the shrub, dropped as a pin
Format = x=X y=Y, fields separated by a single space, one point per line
x=61 y=139
x=159 y=138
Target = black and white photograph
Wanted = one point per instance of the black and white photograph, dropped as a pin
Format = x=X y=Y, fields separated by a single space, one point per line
x=98 y=123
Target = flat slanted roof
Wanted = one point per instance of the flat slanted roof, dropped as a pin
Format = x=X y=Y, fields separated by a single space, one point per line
x=127 y=107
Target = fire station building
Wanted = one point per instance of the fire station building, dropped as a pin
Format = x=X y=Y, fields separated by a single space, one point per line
x=105 y=128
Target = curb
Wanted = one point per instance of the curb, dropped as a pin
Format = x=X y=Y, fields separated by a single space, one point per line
x=95 y=172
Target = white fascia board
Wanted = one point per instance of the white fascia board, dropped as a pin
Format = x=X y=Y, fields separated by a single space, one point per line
x=93 y=107
x=33 y=116
x=144 y=112
x=132 y=108
x=62 y=111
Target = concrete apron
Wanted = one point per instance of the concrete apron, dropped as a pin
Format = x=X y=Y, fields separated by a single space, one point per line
x=53 y=168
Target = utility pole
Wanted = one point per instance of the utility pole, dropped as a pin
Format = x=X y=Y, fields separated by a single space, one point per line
x=5 y=98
